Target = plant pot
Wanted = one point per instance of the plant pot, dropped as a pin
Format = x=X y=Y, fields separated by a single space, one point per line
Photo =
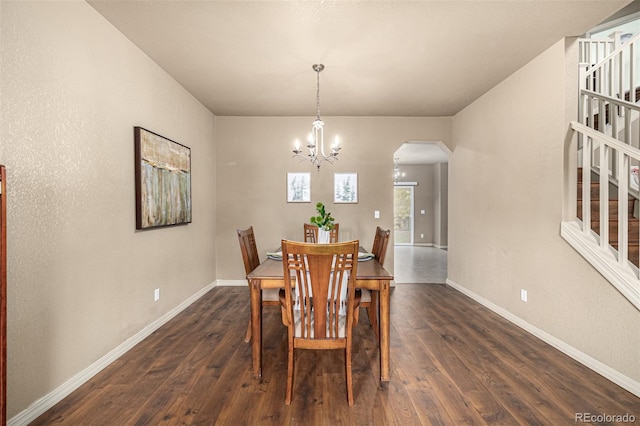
x=324 y=236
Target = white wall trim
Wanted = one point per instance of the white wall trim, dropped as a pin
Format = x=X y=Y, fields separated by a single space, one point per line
x=438 y=246
x=586 y=360
x=231 y=283
x=46 y=402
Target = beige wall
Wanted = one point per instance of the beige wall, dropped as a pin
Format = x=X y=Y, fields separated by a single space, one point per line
x=441 y=207
x=505 y=205
x=81 y=279
x=254 y=156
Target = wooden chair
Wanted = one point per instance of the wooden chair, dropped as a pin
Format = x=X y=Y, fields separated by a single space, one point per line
x=380 y=242
x=370 y=298
x=249 y=249
x=319 y=310
x=311 y=233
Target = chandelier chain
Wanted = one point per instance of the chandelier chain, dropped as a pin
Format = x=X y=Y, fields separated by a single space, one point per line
x=318 y=92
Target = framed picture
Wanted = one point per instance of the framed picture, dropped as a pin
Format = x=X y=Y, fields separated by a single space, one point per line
x=163 y=181
x=345 y=187
x=298 y=187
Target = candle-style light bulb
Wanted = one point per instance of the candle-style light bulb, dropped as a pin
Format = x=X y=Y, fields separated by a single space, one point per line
x=297 y=144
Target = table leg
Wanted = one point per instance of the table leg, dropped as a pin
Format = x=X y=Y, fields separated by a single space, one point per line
x=384 y=320
x=256 y=328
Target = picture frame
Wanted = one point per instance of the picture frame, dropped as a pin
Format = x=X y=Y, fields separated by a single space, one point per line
x=162 y=181
x=345 y=188
x=298 y=187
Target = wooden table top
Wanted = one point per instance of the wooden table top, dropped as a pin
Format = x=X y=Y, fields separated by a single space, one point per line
x=270 y=269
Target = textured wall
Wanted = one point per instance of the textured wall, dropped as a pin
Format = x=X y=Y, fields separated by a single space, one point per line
x=505 y=209
x=80 y=278
x=441 y=176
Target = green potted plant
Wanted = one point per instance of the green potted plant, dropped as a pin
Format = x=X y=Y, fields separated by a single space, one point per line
x=325 y=223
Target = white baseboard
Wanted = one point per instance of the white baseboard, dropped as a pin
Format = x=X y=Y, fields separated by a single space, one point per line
x=584 y=359
x=231 y=283
x=424 y=245
x=43 y=404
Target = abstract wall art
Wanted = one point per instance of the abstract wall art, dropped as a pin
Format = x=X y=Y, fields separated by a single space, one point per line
x=163 y=181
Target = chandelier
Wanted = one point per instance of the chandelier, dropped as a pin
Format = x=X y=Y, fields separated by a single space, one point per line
x=396 y=170
x=315 y=140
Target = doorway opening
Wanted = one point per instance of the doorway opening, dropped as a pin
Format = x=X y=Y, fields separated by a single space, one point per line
x=403 y=202
x=420 y=232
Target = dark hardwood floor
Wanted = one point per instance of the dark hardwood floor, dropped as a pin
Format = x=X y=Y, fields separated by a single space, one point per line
x=452 y=362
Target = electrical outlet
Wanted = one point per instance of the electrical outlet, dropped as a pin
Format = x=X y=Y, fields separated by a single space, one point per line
x=376 y=214
x=421 y=235
x=156 y=295
x=523 y=295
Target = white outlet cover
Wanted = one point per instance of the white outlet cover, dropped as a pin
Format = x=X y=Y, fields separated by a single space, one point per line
x=523 y=295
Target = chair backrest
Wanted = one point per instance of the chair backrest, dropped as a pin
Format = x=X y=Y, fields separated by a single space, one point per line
x=334 y=233
x=380 y=242
x=323 y=277
x=311 y=233
x=249 y=249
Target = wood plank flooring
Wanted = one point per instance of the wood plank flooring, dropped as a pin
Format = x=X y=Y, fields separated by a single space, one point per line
x=452 y=362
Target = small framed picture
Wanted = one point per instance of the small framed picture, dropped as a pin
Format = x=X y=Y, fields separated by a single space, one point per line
x=345 y=187
x=298 y=187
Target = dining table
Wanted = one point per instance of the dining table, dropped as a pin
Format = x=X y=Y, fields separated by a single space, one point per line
x=370 y=275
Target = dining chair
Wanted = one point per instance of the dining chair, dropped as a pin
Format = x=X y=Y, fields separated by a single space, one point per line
x=369 y=299
x=334 y=233
x=311 y=233
x=319 y=301
x=249 y=249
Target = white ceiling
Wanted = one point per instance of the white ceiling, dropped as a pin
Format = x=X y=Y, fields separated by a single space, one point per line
x=382 y=58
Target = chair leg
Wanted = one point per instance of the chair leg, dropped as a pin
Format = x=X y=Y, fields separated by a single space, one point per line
x=247 y=336
x=290 y=366
x=348 y=375
x=372 y=313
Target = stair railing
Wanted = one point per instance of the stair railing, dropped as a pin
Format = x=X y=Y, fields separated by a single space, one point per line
x=608 y=106
x=608 y=130
x=608 y=96
x=592 y=50
x=613 y=263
